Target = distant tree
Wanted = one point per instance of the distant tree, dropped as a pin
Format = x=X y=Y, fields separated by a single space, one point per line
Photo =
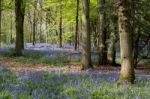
x=77 y=24
x=86 y=43
x=126 y=41
x=111 y=53
x=113 y=35
x=60 y=24
x=102 y=34
x=0 y=20
x=34 y=23
x=19 y=12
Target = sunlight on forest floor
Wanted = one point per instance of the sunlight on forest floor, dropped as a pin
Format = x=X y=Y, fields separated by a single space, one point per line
x=34 y=76
x=57 y=85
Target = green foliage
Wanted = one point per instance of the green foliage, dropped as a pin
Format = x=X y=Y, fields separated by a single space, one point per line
x=68 y=38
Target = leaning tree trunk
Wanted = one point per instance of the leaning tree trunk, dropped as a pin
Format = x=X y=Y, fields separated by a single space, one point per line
x=126 y=41
x=86 y=43
x=102 y=34
x=77 y=25
x=19 y=11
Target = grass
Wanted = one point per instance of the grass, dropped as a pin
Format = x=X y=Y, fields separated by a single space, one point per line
x=46 y=85
x=39 y=58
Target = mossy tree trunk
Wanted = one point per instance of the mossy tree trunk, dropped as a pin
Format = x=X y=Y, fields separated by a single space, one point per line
x=86 y=42
x=126 y=41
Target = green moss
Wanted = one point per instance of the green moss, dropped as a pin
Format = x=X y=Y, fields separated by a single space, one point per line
x=126 y=79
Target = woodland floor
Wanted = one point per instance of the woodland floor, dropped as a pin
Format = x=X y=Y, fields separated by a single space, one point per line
x=33 y=76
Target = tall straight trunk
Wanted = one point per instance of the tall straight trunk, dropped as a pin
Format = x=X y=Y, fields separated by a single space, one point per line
x=34 y=24
x=111 y=53
x=126 y=41
x=77 y=25
x=30 y=22
x=86 y=42
x=0 y=21
x=11 y=29
x=22 y=30
x=34 y=27
x=60 y=27
x=102 y=34
x=19 y=11
x=136 y=47
x=48 y=20
x=41 y=22
x=41 y=30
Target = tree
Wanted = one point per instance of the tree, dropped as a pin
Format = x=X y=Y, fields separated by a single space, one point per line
x=102 y=34
x=77 y=24
x=60 y=24
x=20 y=12
x=34 y=22
x=113 y=35
x=86 y=43
x=0 y=20
x=126 y=41
x=111 y=53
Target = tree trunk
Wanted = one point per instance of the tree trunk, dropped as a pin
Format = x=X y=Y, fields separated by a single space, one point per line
x=102 y=34
x=126 y=42
x=19 y=11
x=0 y=21
x=77 y=23
x=111 y=53
x=86 y=42
x=34 y=27
x=34 y=23
x=11 y=29
x=41 y=32
x=60 y=27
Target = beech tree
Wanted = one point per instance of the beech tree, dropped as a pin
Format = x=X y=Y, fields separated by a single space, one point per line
x=86 y=43
x=126 y=41
x=19 y=12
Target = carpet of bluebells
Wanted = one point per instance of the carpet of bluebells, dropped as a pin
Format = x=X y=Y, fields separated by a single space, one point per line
x=56 y=85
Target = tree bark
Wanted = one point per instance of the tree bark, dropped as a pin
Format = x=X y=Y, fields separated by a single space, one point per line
x=19 y=11
x=77 y=24
x=111 y=53
x=126 y=41
x=86 y=42
x=34 y=23
x=11 y=29
x=102 y=34
x=60 y=26
x=0 y=22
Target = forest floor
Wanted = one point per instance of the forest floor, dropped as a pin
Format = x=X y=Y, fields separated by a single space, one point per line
x=53 y=74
